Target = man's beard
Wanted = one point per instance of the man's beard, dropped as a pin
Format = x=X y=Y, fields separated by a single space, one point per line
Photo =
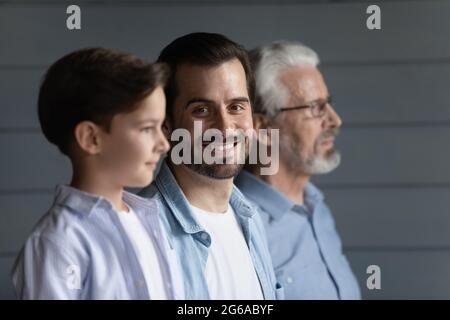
x=216 y=171
x=224 y=170
x=313 y=163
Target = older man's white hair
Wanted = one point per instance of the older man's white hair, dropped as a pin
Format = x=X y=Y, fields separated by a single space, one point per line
x=268 y=62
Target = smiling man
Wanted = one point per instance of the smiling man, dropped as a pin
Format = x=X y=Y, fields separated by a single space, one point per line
x=217 y=234
x=291 y=95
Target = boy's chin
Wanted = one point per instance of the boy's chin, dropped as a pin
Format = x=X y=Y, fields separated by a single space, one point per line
x=141 y=182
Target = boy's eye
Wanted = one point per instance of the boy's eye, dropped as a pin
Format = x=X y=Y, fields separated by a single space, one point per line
x=147 y=129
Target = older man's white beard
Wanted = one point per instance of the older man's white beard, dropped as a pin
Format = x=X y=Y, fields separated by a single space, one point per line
x=310 y=164
x=322 y=164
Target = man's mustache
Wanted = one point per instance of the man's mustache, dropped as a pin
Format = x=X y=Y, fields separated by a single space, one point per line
x=333 y=132
x=229 y=139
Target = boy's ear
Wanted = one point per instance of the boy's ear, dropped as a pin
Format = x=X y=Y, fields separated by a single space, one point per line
x=88 y=137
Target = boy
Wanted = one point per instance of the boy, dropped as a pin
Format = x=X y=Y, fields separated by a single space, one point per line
x=104 y=110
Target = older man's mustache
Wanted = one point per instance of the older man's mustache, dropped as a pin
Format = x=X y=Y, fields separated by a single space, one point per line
x=333 y=132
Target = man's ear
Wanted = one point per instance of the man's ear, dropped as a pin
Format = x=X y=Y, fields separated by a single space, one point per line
x=262 y=122
x=167 y=128
x=88 y=137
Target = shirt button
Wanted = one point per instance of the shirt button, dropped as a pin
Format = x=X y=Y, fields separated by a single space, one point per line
x=140 y=284
x=289 y=280
x=204 y=236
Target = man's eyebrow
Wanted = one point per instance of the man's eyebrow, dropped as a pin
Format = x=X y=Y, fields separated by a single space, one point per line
x=240 y=99
x=328 y=98
x=198 y=99
x=209 y=101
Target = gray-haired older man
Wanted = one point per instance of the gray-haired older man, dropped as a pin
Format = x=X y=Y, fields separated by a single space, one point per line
x=291 y=95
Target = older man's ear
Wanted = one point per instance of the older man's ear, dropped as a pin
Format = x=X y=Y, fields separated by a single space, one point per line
x=260 y=121
x=263 y=122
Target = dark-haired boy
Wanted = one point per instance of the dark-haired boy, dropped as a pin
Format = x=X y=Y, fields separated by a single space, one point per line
x=104 y=110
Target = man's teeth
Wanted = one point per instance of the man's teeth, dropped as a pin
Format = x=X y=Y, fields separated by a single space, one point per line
x=221 y=147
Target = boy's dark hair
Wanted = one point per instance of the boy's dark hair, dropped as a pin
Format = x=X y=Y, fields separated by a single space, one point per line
x=93 y=84
x=200 y=49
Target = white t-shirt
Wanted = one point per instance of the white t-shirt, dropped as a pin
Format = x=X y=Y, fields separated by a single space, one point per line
x=229 y=272
x=145 y=250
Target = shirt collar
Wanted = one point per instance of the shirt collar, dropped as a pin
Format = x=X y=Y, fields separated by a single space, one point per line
x=313 y=195
x=87 y=203
x=275 y=203
x=179 y=205
x=263 y=194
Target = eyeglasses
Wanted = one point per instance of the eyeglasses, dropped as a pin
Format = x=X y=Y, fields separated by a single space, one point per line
x=318 y=108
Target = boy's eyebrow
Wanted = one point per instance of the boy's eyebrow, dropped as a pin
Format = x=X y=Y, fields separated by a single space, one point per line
x=147 y=120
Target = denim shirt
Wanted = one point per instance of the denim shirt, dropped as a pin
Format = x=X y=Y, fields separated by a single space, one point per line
x=191 y=241
x=80 y=250
x=305 y=246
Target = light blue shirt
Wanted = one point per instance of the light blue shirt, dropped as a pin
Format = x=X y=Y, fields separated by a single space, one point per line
x=303 y=241
x=80 y=250
x=192 y=241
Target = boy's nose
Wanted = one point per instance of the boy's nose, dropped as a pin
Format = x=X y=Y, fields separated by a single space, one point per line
x=164 y=145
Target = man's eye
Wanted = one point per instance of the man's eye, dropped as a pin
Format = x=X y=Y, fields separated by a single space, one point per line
x=200 y=111
x=318 y=108
x=236 y=107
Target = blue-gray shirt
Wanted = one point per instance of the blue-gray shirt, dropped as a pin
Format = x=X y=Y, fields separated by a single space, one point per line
x=192 y=241
x=80 y=250
x=305 y=246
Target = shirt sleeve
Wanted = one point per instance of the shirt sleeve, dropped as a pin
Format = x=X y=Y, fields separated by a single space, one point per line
x=46 y=270
x=278 y=288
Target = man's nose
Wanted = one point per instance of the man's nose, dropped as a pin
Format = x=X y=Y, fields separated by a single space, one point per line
x=223 y=122
x=332 y=118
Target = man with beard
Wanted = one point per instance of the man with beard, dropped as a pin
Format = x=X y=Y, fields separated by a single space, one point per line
x=218 y=239
x=290 y=95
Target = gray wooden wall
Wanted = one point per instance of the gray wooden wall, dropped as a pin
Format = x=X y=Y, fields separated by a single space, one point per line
x=390 y=196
